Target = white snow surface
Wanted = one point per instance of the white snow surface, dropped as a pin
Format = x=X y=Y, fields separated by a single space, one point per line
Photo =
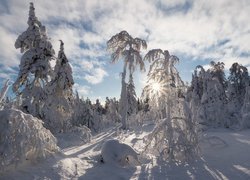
x=224 y=155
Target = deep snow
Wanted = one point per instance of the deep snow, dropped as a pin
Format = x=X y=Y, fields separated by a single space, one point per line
x=225 y=154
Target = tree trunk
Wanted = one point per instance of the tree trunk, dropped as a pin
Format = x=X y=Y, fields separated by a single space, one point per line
x=170 y=129
x=124 y=100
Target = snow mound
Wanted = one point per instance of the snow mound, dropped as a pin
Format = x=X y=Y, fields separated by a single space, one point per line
x=23 y=138
x=74 y=136
x=117 y=153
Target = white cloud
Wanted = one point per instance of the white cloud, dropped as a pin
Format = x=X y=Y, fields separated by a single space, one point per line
x=217 y=29
x=8 y=53
x=4 y=76
x=96 y=76
x=82 y=89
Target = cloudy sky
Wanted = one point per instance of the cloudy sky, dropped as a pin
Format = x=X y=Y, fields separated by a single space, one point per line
x=197 y=31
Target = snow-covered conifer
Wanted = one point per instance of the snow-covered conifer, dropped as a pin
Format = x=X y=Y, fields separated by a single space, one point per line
x=97 y=115
x=78 y=115
x=238 y=80
x=131 y=95
x=57 y=110
x=213 y=100
x=112 y=115
x=35 y=70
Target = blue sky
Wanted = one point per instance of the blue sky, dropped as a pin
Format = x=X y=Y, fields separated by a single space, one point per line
x=195 y=31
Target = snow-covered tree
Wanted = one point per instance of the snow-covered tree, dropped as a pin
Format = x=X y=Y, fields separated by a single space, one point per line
x=213 y=103
x=131 y=95
x=123 y=45
x=86 y=114
x=78 y=107
x=207 y=97
x=57 y=110
x=175 y=135
x=97 y=115
x=112 y=115
x=35 y=70
x=238 y=80
x=162 y=78
x=217 y=71
x=175 y=139
x=3 y=92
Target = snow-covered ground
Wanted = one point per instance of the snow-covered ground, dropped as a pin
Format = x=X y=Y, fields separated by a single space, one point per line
x=225 y=155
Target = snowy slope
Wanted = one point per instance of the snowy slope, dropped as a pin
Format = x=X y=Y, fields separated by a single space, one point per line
x=225 y=155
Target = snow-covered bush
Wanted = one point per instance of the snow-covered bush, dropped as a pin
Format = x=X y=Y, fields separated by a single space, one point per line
x=83 y=132
x=74 y=136
x=22 y=138
x=116 y=153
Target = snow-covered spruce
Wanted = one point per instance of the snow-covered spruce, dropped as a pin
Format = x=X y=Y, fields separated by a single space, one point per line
x=238 y=81
x=57 y=109
x=22 y=138
x=132 y=98
x=116 y=153
x=213 y=99
x=35 y=70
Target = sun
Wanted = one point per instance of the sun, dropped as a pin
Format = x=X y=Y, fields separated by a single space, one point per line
x=156 y=87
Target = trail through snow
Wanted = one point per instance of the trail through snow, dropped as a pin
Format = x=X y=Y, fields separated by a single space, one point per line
x=225 y=155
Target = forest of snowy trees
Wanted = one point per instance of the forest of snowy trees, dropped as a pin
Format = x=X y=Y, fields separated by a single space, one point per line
x=45 y=104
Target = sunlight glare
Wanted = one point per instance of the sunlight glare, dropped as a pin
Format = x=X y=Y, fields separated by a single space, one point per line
x=156 y=87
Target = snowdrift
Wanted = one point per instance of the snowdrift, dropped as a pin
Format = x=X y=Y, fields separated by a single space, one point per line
x=23 y=138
